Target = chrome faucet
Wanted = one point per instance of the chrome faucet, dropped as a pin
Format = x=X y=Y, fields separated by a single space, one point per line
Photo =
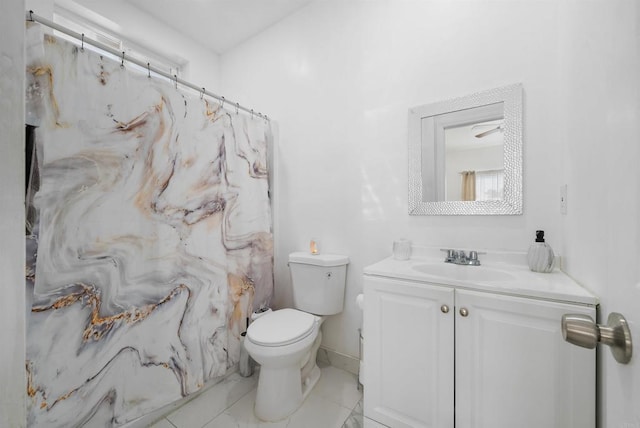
x=459 y=257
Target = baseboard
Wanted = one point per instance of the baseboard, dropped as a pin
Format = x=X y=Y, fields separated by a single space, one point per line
x=336 y=359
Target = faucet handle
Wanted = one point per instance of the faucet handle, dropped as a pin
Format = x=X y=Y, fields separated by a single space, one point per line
x=451 y=255
x=473 y=258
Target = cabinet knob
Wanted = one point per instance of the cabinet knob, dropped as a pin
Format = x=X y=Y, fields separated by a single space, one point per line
x=444 y=309
x=464 y=312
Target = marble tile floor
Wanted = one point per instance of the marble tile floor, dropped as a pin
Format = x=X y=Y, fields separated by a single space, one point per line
x=334 y=402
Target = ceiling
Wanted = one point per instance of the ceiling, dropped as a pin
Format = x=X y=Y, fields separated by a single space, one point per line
x=219 y=24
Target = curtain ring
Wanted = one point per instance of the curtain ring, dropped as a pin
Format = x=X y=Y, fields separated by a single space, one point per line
x=202 y=94
x=237 y=107
x=82 y=43
x=31 y=15
x=148 y=70
x=222 y=102
x=251 y=114
x=175 y=76
x=122 y=63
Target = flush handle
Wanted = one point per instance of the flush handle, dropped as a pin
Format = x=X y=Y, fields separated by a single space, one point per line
x=582 y=330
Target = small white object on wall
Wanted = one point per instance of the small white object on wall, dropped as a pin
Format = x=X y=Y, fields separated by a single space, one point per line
x=563 y=199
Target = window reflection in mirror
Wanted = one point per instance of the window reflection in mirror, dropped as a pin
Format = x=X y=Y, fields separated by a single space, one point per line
x=474 y=169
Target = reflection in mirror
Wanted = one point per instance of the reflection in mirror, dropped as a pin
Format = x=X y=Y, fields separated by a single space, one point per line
x=465 y=155
x=474 y=169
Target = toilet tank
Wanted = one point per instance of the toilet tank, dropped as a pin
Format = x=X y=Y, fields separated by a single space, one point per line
x=318 y=282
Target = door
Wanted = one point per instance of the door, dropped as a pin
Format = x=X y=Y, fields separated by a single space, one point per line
x=513 y=368
x=408 y=348
x=601 y=230
x=620 y=264
x=619 y=271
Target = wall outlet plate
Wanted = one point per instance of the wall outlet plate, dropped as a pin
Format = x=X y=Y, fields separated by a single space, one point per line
x=563 y=199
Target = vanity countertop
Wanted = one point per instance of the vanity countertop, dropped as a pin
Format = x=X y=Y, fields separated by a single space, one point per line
x=505 y=273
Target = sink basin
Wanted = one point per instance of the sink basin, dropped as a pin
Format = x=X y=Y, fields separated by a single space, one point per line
x=464 y=273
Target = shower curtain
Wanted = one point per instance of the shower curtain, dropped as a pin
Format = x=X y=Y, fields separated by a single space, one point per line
x=151 y=242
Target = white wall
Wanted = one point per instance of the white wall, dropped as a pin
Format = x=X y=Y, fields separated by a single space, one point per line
x=12 y=257
x=339 y=78
x=600 y=95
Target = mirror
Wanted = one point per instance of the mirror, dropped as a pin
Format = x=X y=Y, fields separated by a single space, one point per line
x=465 y=155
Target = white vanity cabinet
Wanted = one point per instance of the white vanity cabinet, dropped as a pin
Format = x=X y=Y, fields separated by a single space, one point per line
x=500 y=358
x=408 y=353
x=513 y=368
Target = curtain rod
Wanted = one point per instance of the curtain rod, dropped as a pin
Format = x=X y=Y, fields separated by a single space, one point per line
x=174 y=78
x=483 y=170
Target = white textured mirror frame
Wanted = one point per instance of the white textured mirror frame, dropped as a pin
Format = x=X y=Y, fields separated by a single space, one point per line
x=511 y=204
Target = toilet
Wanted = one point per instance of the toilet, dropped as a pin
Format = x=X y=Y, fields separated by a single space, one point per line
x=285 y=342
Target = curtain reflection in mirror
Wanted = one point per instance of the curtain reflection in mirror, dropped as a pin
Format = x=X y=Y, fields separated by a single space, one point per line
x=482 y=185
x=468 y=185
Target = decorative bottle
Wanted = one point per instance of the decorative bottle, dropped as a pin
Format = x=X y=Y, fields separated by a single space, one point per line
x=540 y=256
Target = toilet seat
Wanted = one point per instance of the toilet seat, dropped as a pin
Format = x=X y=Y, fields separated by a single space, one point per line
x=281 y=327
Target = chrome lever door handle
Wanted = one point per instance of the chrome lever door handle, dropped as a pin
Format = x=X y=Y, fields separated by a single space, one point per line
x=581 y=330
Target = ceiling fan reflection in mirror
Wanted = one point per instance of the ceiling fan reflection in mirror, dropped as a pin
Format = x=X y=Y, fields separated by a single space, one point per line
x=487 y=129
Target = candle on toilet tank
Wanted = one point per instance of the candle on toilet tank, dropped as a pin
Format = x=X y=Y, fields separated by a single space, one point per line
x=314 y=248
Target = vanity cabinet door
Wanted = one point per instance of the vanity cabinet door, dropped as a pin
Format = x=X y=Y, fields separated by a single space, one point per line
x=513 y=369
x=408 y=353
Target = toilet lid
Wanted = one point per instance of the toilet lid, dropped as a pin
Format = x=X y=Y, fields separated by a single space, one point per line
x=281 y=327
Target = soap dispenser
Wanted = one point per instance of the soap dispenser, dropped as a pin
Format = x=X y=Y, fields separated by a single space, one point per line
x=540 y=256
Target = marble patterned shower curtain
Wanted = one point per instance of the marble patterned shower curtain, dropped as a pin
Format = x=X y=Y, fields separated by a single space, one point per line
x=153 y=238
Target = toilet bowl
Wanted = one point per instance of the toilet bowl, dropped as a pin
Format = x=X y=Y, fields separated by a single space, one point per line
x=284 y=343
